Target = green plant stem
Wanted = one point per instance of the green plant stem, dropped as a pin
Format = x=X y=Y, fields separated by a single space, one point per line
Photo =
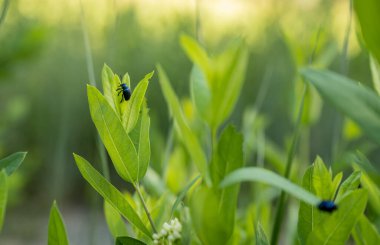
x=145 y=207
x=289 y=162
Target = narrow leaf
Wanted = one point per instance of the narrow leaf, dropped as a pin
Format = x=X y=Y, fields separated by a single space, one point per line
x=57 y=231
x=357 y=102
x=112 y=195
x=268 y=177
x=336 y=229
x=131 y=115
x=12 y=162
x=3 y=196
x=128 y=241
x=115 y=139
x=261 y=238
x=188 y=137
x=350 y=184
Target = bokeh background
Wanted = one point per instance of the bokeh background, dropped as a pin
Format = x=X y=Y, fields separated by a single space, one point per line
x=43 y=102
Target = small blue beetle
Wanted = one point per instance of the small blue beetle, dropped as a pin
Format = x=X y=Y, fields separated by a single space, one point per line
x=125 y=90
x=327 y=206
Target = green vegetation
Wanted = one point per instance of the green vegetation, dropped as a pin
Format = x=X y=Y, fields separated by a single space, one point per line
x=271 y=141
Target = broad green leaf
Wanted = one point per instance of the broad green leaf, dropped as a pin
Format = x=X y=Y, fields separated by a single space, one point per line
x=3 y=197
x=261 y=238
x=350 y=184
x=128 y=241
x=336 y=229
x=230 y=68
x=375 y=70
x=228 y=157
x=182 y=194
x=114 y=221
x=367 y=12
x=112 y=195
x=140 y=138
x=57 y=231
x=268 y=177
x=12 y=162
x=115 y=139
x=132 y=112
x=208 y=217
x=188 y=137
x=356 y=101
x=365 y=233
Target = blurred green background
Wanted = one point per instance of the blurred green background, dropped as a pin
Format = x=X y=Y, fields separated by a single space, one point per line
x=43 y=73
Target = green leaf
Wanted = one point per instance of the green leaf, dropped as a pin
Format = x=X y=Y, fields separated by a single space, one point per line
x=261 y=238
x=182 y=194
x=114 y=221
x=336 y=229
x=131 y=114
x=306 y=213
x=111 y=82
x=12 y=162
x=322 y=183
x=197 y=54
x=3 y=196
x=57 y=231
x=230 y=68
x=216 y=82
x=188 y=137
x=115 y=139
x=357 y=102
x=112 y=195
x=208 y=217
x=365 y=233
x=107 y=82
x=128 y=241
x=375 y=70
x=268 y=177
x=200 y=92
x=335 y=184
x=373 y=192
x=229 y=157
x=367 y=12
x=349 y=185
x=140 y=138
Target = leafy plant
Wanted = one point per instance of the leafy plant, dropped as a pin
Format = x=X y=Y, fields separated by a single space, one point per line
x=208 y=152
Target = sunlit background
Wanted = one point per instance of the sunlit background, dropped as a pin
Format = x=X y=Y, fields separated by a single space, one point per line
x=44 y=70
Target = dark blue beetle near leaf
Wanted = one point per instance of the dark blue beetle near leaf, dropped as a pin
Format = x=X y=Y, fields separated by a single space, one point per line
x=327 y=206
x=126 y=92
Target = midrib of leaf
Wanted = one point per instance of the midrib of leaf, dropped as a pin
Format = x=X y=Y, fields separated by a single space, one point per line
x=340 y=222
x=138 y=153
x=113 y=143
